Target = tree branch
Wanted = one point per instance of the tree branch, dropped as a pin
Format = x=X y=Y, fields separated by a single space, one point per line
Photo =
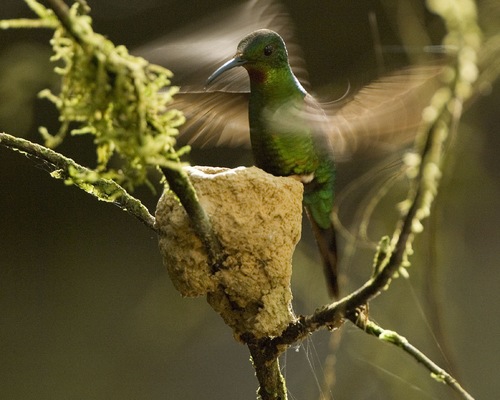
x=86 y=179
x=271 y=382
x=180 y=184
x=362 y=321
x=61 y=10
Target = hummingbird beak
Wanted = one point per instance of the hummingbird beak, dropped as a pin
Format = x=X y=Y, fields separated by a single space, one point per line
x=237 y=61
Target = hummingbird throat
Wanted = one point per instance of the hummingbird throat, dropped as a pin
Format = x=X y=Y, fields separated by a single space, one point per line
x=257 y=76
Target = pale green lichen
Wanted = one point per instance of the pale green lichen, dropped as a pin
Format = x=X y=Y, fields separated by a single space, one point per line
x=439 y=119
x=392 y=337
x=439 y=376
x=382 y=255
x=120 y=99
x=46 y=19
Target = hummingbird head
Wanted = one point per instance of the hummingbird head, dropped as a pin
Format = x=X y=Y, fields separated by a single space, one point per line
x=260 y=53
x=263 y=47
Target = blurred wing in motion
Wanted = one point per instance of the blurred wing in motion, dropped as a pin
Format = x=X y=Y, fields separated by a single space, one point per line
x=195 y=51
x=214 y=118
x=384 y=115
x=381 y=118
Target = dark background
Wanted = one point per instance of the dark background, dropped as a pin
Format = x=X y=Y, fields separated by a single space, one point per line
x=87 y=310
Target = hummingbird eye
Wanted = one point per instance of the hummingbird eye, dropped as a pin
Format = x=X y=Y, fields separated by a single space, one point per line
x=268 y=50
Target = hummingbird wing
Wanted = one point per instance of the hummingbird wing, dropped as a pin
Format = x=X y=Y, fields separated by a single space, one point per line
x=214 y=118
x=195 y=51
x=383 y=116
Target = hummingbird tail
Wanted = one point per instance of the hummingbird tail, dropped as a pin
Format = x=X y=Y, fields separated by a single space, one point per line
x=325 y=237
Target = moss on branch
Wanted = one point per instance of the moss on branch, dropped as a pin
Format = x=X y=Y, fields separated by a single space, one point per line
x=121 y=100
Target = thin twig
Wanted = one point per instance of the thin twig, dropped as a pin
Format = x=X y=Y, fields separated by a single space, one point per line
x=362 y=321
x=82 y=177
x=61 y=10
x=180 y=184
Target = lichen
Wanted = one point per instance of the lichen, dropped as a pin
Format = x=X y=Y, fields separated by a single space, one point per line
x=121 y=100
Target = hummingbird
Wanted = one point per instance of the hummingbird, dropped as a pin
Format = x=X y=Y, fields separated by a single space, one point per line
x=292 y=133
x=289 y=134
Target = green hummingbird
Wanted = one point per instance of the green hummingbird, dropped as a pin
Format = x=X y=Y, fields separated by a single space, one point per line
x=291 y=132
x=288 y=134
